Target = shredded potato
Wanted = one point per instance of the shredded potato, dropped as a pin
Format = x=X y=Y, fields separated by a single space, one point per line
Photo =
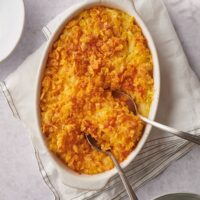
x=100 y=50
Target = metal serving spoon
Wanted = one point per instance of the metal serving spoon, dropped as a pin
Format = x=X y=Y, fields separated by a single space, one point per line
x=133 y=108
x=121 y=173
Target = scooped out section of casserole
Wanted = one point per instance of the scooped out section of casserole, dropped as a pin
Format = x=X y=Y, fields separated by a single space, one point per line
x=99 y=50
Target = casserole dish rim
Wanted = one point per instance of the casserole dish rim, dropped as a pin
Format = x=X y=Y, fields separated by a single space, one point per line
x=84 y=181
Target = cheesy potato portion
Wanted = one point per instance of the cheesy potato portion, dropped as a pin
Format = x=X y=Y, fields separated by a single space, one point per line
x=98 y=51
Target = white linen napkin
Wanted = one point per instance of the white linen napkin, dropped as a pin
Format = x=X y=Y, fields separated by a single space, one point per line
x=179 y=107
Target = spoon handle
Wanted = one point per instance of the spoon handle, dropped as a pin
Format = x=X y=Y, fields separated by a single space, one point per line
x=184 y=135
x=123 y=177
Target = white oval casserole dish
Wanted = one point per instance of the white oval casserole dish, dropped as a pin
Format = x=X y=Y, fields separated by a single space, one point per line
x=97 y=181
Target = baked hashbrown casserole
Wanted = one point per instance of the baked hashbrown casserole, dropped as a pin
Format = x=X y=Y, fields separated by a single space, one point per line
x=100 y=50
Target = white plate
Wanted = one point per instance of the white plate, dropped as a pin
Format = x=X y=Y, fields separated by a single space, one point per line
x=11 y=25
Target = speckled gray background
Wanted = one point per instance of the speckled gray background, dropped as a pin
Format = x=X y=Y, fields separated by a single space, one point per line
x=19 y=175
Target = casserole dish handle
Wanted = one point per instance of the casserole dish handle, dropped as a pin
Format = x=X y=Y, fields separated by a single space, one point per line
x=128 y=3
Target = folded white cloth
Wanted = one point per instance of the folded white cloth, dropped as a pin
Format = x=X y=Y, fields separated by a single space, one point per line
x=179 y=107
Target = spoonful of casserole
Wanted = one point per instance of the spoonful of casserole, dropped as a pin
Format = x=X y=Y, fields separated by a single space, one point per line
x=133 y=108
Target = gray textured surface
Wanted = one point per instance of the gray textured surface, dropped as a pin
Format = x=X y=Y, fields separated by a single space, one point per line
x=19 y=175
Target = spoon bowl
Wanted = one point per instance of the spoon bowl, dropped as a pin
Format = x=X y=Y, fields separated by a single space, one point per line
x=128 y=99
x=93 y=143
